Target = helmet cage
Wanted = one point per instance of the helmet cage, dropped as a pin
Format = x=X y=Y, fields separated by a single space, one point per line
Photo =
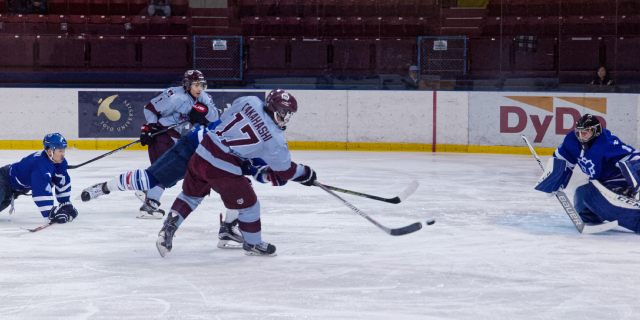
x=581 y=132
x=281 y=118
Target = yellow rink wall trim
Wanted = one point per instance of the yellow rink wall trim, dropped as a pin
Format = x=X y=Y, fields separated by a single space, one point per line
x=299 y=145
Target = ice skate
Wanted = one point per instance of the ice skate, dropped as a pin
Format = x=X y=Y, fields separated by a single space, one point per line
x=94 y=191
x=229 y=235
x=150 y=210
x=165 y=236
x=260 y=249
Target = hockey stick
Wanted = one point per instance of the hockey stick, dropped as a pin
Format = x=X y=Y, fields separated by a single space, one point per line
x=413 y=186
x=394 y=232
x=35 y=229
x=568 y=206
x=125 y=146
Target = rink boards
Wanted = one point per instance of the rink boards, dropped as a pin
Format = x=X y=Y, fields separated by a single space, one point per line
x=445 y=121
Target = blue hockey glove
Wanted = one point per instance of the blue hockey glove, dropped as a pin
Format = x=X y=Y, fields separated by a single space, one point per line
x=63 y=213
x=556 y=175
x=629 y=169
x=264 y=174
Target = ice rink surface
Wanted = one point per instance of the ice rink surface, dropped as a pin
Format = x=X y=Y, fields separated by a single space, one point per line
x=499 y=249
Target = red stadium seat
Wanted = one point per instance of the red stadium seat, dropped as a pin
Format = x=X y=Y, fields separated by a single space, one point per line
x=61 y=51
x=179 y=7
x=164 y=52
x=98 y=19
x=78 y=19
x=118 y=7
x=3 y=6
x=309 y=55
x=99 y=7
x=35 y=18
x=138 y=7
x=117 y=19
x=103 y=54
x=579 y=54
x=78 y=7
x=58 y=7
x=351 y=55
x=56 y=18
x=266 y=54
x=17 y=51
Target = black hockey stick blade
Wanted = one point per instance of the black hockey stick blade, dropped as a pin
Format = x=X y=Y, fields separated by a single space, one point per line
x=394 y=232
x=413 y=186
x=123 y=147
x=406 y=230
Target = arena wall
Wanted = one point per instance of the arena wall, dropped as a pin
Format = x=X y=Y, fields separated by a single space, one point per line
x=426 y=121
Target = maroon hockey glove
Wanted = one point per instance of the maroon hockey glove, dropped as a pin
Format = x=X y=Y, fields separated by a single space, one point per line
x=308 y=178
x=198 y=114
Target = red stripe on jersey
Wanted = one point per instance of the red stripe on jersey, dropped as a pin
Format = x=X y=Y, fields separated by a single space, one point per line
x=216 y=152
x=129 y=181
x=151 y=108
x=289 y=173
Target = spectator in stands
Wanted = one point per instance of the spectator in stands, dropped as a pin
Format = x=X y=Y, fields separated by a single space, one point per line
x=602 y=78
x=411 y=82
x=37 y=7
x=159 y=8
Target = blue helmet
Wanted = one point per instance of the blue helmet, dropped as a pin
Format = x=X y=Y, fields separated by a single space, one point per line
x=54 y=141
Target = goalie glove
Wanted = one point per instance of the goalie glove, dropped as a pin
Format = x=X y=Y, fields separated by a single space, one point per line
x=556 y=175
x=63 y=213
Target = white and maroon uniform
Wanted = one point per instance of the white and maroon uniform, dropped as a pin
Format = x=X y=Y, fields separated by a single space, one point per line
x=169 y=108
x=245 y=132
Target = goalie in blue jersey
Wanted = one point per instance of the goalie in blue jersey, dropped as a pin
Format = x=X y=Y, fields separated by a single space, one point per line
x=41 y=173
x=612 y=168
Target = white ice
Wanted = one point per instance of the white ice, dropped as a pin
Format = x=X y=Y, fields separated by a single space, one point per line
x=499 y=249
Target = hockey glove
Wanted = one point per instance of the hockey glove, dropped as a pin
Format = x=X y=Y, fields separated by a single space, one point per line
x=629 y=169
x=146 y=134
x=308 y=178
x=198 y=114
x=556 y=175
x=63 y=213
x=264 y=174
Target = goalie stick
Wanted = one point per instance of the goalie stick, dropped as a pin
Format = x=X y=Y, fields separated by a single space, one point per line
x=124 y=147
x=568 y=206
x=394 y=232
x=413 y=186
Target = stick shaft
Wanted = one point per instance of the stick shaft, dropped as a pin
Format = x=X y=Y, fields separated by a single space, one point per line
x=123 y=147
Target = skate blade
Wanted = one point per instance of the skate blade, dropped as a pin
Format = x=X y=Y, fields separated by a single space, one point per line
x=161 y=249
x=146 y=215
x=224 y=244
x=256 y=254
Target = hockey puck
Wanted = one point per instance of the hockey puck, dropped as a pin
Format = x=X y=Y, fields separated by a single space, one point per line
x=430 y=222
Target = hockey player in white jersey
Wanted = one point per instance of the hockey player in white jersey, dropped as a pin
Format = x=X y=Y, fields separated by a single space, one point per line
x=249 y=129
x=173 y=106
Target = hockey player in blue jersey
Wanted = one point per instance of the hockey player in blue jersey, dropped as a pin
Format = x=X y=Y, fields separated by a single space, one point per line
x=41 y=173
x=612 y=168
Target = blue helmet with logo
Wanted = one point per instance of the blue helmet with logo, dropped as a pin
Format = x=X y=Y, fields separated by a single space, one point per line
x=54 y=141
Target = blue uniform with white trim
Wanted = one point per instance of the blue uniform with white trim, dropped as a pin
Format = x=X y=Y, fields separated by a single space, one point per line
x=606 y=196
x=600 y=162
x=38 y=174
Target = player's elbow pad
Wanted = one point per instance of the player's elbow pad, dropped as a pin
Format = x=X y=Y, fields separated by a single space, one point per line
x=556 y=175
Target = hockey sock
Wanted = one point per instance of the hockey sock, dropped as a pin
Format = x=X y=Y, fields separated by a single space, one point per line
x=132 y=180
x=155 y=192
x=184 y=205
x=249 y=224
x=231 y=215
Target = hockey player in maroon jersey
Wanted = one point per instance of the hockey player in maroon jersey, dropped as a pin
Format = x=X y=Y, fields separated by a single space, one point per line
x=173 y=106
x=249 y=129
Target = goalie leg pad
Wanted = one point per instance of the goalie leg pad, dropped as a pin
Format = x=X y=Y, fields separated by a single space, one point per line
x=581 y=208
x=611 y=206
x=556 y=175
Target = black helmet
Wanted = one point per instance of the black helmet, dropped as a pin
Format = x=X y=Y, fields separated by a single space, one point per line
x=588 y=129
